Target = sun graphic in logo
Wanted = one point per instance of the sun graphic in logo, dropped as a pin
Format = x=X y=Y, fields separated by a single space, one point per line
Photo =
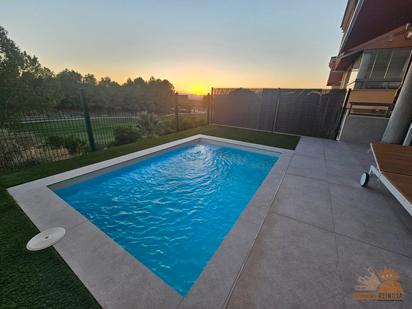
x=369 y=282
x=389 y=279
x=381 y=285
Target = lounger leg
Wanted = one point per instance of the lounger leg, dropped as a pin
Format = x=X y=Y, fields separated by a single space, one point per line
x=365 y=176
x=364 y=179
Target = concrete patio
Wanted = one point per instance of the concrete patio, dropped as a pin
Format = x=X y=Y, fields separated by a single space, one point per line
x=322 y=232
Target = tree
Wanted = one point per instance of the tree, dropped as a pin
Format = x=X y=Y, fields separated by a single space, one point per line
x=108 y=94
x=90 y=91
x=24 y=83
x=70 y=82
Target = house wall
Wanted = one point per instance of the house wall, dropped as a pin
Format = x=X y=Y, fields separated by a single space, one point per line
x=363 y=129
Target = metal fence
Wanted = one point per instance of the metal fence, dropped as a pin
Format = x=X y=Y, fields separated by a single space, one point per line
x=311 y=112
x=32 y=138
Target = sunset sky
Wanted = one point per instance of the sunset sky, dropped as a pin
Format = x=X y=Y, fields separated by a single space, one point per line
x=194 y=44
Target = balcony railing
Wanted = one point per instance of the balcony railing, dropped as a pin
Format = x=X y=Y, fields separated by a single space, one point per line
x=377 y=84
x=371 y=109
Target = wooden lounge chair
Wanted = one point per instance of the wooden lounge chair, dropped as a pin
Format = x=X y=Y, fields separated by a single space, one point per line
x=394 y=170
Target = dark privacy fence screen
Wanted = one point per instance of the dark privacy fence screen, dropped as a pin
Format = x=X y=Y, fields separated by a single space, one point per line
x=311 y=112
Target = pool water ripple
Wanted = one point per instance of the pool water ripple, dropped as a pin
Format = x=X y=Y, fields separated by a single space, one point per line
x=172 y=211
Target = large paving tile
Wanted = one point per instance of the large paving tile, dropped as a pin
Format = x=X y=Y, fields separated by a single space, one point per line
x=344 y=173
x=402 y=214
x=305 y=199
x=341 y=156
x=352 y=154
x=358 y=148
x=338 y=145
x=310 y=147
x=364 y=214
x=302 y=161
x=344 y=163
x=310 y=172
x=292 y=265
x=365 y=159
x=355 y=258
x=308 y=166
x=311 y=139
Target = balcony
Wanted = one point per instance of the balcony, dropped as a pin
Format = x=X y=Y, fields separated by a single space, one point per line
x=377 y=102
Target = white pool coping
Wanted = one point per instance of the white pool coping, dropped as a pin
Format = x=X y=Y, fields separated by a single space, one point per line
x=117 y=279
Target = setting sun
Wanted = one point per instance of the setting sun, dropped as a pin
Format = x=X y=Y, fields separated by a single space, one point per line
x=200 y=90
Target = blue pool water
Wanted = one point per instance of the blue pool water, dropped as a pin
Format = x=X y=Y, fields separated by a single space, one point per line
x=173 y=210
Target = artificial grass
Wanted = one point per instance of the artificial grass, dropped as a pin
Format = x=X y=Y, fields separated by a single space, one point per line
x=15 y=177
x=102 y=127
x=42 y=279
x=33 y=279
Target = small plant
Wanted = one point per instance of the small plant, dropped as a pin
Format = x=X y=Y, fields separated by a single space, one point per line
x=55 y=141
x=200 y=121
x=125 y=134
x=168 y=125
x=186 y=123
x=10 y=147
x=72 y=144
x=43 y=153
x=13 y=145
x=148 y=125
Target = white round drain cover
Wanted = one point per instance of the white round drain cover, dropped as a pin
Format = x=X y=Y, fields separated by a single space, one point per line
x=46 y=239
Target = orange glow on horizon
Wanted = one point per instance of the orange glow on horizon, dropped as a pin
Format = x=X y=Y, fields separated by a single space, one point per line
x=199 y=90
x=198 y=80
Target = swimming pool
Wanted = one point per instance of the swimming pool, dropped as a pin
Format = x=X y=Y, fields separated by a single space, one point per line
x=173 y=210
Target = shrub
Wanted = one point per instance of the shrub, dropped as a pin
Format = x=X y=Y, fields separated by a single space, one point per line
x=13 y=145
x=148 y=125
x=43 y=153
x=55 y=141
x=186 y=123
x=74 y=145
x=168 y=125
x=200 y=121
x=124 y=134
x=71 y=143
x=10 y=147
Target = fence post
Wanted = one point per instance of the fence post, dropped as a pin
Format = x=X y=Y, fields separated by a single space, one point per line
x=212 y=105
x=177 y=111
x=342 y=114
x=87 y=121
x=275 y=116
x=208 y=108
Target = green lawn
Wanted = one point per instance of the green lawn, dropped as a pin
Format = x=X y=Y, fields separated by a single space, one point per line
x=42 y=279
x=102 y=126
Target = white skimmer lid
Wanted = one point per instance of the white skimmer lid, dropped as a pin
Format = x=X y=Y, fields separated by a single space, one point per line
x=46 y=239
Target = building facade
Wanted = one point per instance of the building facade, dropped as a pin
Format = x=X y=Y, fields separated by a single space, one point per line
x=373 y=59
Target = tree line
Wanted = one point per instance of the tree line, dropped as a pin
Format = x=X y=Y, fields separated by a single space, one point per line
x=26 y=85
x=154 y=95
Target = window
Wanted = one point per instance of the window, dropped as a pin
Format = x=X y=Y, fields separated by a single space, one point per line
x=366 y=65
x=398 y=63
x=382 y=68
x=381 y=64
